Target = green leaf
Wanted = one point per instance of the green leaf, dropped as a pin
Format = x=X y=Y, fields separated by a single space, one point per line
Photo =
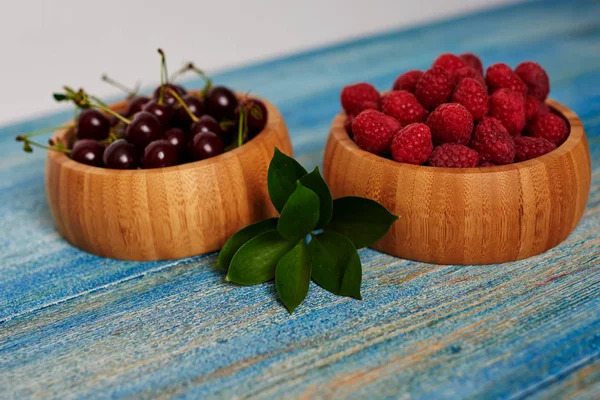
x=335 y=264
x=256 y=260
x=361 y=220
x=300 y=214
x=315 y=182
x=292 y=276
x=242 y=237
x=283 y=173
x=59 y=96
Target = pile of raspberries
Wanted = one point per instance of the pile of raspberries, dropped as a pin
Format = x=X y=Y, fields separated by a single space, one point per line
x=452 y=116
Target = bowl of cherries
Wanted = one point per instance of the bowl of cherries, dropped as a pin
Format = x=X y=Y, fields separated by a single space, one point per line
x=164 y=176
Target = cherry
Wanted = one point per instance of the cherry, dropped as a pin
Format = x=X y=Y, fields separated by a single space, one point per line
x=205 y=123
x=194 y=104
x=256 y=116
x=135 y=105
x=221 y=103
x=177 y=138
x=143 y=129
x=120 y=155
x=88 y=151
x=92 y=124
x=162 y=112
x=205 y=145
x=160 y=154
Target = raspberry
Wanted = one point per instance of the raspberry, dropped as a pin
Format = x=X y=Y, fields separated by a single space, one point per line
x=449 y=62
x=486 y=164
x=452 y=155
x=348 y=124
x=509 y=108
x=373 y=131
x=532 y=147
x=473 y=96
x=534 y=107
x=434 y=87
x=412 y=144
x=493 y=143
x=358 y=97
x=550 y=127
x=407 y=81
x=500 y=76
x=450 y=122
x=468 y=72
x=403 y=106
x=536 y=79
x=473 y=61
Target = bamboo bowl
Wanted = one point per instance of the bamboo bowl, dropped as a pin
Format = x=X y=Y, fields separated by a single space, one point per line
x=472 y=215
x=163 y=213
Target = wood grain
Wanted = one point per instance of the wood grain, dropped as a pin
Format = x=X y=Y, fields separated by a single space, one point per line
x=164 y=213
x=472 y=215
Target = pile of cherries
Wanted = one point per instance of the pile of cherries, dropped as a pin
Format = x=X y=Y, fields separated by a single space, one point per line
x=171 y=127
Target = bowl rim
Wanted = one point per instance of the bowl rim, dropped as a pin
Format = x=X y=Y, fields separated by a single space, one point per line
x=576 y=134
x=273 y=119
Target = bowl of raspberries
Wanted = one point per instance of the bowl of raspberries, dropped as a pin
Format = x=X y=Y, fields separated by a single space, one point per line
x=480 y=165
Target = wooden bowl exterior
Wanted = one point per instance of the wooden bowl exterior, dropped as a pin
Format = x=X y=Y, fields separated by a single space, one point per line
x=473 y=215
x=164 y=213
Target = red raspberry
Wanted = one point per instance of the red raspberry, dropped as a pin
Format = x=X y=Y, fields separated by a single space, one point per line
x=509 y=108
x=500 y=76
x=473 y=96
x=412 y=144
x=449 y=62
x=536 y=79
x=493 y=143
x=550 y=127
x=348 y=124
x=473 y=61
x=452 y=155
x=534 y=107
x=434 y=87
x=532 y=147
x=450 y=122
x=486 y=164
x=403 y=106
x=373 y=131
x=407 y=81
x=358 y=97
x=468 y=72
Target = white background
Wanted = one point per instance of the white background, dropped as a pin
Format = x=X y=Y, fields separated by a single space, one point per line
x=48 y=43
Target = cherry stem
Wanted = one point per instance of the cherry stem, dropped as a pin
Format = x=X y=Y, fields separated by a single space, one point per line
x=164 y=75
x=52 y=148
x=182 y=104
x=241 y=127
x=21 y=138
x=107 y=110
x=130 y=93
x=191 y=67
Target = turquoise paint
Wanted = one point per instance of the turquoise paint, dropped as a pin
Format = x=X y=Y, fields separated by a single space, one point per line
x=76 y=325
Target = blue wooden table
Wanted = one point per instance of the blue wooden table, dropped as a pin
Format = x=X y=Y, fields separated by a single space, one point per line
x=73 y=325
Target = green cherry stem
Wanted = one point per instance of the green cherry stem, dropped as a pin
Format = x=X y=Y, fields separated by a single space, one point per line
x=131 y=93
x=241 y=126
x=182 y=104
x=164 y=76
x=107 y=110
x=21 y=138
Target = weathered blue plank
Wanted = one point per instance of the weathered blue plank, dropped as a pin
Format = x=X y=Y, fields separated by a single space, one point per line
x=76 y=325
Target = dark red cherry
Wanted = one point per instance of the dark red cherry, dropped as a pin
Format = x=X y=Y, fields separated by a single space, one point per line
x=256 y=112
x=221 y=103
x=114 y=121
x=121 y=155
x=163 y=112
x=205 y=123
x=195 y=105
x=135 y=105
x=205 y=145
x=160 y=154
x=88 y=151
x=177 y=138
x=92 y=124
x=167 y=96
x=143 y=129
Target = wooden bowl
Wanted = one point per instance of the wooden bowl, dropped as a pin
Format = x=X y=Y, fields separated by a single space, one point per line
x=471 y=215
x=164 y=213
